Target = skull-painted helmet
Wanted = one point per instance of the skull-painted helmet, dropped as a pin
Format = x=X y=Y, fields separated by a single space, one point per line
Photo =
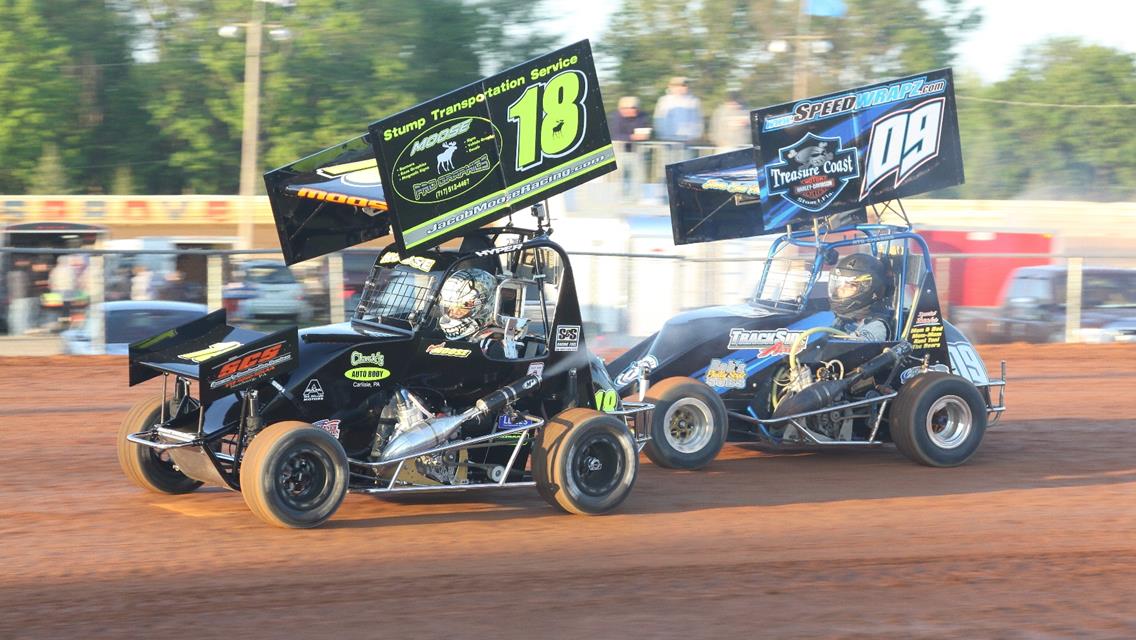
x=467 y=302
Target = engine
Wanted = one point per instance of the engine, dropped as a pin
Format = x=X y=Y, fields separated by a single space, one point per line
x=418 y=430
x=831 y=387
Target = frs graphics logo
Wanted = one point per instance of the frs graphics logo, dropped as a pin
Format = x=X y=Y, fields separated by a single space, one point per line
x=813 y=171
x=768 y=343
x=901 y=143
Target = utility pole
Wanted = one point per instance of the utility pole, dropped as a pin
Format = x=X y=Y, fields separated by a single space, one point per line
x=801 y=53
x=250 y=127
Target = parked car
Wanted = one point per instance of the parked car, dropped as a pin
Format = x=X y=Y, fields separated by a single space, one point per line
x=128 y=321
x=267 y=290
x=1032 y=307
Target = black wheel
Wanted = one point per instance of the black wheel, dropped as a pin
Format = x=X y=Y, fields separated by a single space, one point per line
x=688 y=426
x=938 y=419
x=585 y=462
x=146 y=467
x=294 y=475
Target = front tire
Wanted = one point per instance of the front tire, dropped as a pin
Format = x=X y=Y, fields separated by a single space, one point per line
x=938 y=419
x=688 y=425
x=585 y=462
x=149 y=468
x=294 y=475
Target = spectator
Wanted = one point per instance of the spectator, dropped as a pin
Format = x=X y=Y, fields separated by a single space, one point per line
x=21 y=302
x=678 y=113
x=629 y=123
x=729 y=125
x=174 y=287
x=142 y=284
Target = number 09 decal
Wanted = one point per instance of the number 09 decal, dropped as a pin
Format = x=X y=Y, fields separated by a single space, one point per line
x=550 y=118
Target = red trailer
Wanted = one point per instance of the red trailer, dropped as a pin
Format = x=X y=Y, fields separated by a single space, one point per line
x=978 y=282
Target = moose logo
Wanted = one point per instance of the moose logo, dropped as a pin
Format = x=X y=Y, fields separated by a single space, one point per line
x=446 y=158
x=812 y=171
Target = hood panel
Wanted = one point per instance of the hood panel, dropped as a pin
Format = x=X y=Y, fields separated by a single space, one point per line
x=689 y=341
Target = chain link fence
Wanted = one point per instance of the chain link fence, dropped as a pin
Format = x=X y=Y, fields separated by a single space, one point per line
x=88 y=301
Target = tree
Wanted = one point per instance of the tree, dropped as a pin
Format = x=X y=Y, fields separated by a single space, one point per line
x=1051 y=132
x=38 y=101
x=724 y=45
x=50 y=177
x=341 y=70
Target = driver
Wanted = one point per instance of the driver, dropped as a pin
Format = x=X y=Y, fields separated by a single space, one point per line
x=855 y=292
x=467 y=303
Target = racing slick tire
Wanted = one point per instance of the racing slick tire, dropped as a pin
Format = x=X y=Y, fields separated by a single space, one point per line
x=585 y=462
x=145 y=467
x=938 y=419
x=688 y=426
x=294 y=475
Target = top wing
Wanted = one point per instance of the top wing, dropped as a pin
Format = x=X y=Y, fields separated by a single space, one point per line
x=820 y=156
x=461 y=160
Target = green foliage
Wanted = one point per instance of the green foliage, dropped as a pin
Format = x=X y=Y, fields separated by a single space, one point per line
x=144 y=95
x=1054 y=152
x=49 y=179
x=38 y=95
x=724 y=45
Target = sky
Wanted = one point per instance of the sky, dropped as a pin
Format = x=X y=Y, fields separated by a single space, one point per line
x=1008 y=28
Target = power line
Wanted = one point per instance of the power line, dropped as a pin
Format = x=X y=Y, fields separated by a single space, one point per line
x=1049 y=105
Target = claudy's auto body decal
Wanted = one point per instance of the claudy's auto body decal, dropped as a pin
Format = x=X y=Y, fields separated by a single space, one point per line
x=493 y=147
x=366 y=368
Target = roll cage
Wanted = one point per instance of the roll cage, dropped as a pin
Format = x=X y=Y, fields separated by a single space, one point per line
x=478 y=247
x=893 y=244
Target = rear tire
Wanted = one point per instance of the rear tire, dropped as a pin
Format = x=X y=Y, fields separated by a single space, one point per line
x=688 y=426
x=585 y=462
x=294 y=475
x=146 y=467
x=938 y=419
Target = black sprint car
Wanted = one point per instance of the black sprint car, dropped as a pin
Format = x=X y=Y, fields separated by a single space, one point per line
x=390 y=402
x=775 y=368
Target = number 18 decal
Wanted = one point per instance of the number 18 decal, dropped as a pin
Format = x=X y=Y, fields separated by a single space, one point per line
x=550 y=118
x=901 y=143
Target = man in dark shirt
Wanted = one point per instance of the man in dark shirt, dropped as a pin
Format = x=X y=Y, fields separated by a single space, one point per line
x=629 y=123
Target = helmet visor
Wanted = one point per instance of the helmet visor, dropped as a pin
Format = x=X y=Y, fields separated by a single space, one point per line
x=846 y=287
x=458 y=310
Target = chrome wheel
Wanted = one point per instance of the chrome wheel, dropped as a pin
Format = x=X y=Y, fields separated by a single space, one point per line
x=689 y=425
x=949 y=422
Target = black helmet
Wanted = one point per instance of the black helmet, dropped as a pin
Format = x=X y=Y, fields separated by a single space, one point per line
x=855 y=284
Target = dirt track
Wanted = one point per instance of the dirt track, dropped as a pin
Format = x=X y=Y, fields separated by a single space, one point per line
x=1034 y=538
